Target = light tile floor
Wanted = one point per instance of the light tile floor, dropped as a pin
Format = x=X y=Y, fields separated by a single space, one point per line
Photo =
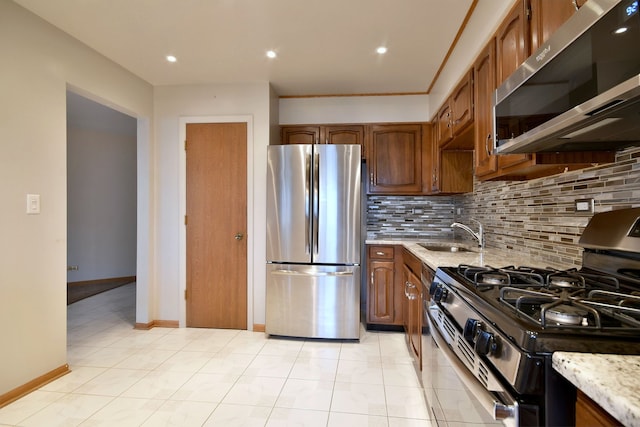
x=212 y=377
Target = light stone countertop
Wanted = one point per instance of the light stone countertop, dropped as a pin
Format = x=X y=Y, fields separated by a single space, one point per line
x=488 y=256
x=610 y=380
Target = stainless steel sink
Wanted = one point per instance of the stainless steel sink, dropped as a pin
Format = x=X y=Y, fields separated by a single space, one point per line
x=445 y=248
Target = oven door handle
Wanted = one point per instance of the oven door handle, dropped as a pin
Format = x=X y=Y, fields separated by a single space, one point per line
x=497 y=409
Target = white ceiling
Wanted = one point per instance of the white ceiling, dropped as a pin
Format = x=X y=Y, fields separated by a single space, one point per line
x=325 y=47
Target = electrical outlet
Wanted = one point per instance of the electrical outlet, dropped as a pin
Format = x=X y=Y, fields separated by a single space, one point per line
x=584 y=206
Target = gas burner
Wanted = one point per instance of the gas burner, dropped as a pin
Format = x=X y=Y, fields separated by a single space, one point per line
x=492 y=279
x=561 y=280
x=565 y=314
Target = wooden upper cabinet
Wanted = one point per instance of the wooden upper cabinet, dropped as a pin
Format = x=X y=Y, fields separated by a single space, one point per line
x=511 y=42
x=350 y=134
x=300 y=135
x=512 y=49
x=394 y=159
x=323 y=134
x=445 y=132
x=456 y=115
x=546 y=16
x=484 y=85
x=540 y=18
x=462 y=104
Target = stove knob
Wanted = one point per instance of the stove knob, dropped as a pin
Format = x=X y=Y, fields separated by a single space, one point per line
x=440 y=294
x=471 y=329
x=485 y=343
x=432 y=289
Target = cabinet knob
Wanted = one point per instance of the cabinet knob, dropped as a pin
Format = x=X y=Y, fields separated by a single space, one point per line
x=486 y=145
x=379 y=253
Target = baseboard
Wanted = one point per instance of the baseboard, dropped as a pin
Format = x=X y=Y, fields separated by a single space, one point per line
x=98 y=281
x=257 y=327
x=157 y=324
x=32 y=385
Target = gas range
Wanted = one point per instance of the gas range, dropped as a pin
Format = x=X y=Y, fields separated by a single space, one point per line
x=537 y=308
x=503 y=323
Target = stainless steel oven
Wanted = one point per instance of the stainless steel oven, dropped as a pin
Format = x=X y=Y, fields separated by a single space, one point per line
x=497 y=328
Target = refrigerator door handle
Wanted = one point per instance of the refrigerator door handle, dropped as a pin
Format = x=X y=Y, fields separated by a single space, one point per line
x=307 y=206
x=315 y=273
x=316 y=199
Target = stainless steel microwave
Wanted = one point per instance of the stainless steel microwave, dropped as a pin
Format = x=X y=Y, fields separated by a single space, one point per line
x=580 y=91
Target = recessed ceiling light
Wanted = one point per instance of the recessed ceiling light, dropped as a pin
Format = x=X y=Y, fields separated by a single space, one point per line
x=171 y=58
x=271 y=54
x=381 y=50
x=620 y=30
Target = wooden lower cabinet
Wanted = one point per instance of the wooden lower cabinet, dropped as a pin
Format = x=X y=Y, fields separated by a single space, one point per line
x=411 y=271
x=589 y=413
x=384 y=287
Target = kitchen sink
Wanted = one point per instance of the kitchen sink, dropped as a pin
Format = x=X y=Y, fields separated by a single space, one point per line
x=445 y=248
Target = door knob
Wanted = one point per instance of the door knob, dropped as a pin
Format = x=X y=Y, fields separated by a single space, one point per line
x=238 y=236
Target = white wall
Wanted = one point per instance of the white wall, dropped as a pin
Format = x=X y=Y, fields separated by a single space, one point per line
x=39 y=62
x=101 y=202
x=355 y=109
x=483 y=23
x=173 y=107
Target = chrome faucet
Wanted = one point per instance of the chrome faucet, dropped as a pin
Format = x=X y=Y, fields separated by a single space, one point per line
x=479 y=236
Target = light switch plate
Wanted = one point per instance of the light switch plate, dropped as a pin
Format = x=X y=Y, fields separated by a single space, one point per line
x=33 y=204
x=584 y=206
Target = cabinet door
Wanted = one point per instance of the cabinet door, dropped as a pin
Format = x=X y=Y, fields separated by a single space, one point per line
x=342 y=134
x=413 y=316
x=462 y=104
x=512 y=50
x=381 y=292
x=395 y=159
x=300 y=134
x=484 y=85
x=445 y=132
x=511 y=42
x=546 y=16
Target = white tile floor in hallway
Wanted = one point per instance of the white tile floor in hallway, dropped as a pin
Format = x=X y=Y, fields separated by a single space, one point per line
x=210 y=377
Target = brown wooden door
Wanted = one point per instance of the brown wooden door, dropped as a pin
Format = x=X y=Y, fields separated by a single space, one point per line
x=216 y=225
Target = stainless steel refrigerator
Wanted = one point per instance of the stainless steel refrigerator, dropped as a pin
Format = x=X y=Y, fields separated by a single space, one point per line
x=313 y=241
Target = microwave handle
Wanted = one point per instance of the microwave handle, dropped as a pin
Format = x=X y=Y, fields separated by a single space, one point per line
x=507 y=413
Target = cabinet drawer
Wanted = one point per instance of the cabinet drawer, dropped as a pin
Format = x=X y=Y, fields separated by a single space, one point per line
x=412 y=262
x=381 y=252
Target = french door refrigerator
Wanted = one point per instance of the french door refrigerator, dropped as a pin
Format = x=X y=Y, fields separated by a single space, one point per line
x=313 y=241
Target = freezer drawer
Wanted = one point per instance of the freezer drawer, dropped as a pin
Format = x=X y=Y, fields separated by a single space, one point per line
x=313 y=301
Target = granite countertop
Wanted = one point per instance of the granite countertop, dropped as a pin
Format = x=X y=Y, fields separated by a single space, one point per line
x=610 y=380
x=487 y=256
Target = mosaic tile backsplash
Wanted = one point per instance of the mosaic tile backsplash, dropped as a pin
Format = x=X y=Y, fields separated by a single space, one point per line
x=533 y=217
x=409 y=217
